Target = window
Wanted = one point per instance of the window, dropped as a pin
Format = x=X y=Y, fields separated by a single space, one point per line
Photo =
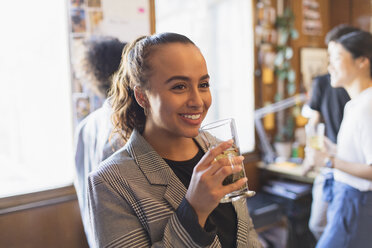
x=223 y=30
x=36 y=137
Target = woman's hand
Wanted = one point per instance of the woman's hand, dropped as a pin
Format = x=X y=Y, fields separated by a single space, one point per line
x=206 y=189
x=316 y=157
x=308 y=164
x=330 y=147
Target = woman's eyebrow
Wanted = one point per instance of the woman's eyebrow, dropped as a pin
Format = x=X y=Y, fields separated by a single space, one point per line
x=182 y=78
x=205 y=77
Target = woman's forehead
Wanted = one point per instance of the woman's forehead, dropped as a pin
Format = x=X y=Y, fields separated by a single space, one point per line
x=337 y=48
x=177 y=56
x=177 y=59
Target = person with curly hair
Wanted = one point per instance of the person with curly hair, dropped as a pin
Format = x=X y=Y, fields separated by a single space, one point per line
x=92 y=136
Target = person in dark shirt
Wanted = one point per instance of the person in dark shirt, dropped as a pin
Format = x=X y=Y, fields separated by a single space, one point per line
x=328 y=105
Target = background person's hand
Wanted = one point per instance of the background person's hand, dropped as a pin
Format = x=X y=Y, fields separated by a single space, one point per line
x=315 y=157
x=206 y=189
x=330 y=147
x=308 y=164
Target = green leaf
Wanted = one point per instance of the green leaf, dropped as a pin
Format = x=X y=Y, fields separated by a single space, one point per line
x=291 y=88
x=279 y=59
x=282 y=75
x=283 y=37
x=291 y=76
x=288 y=53
x=294 y=34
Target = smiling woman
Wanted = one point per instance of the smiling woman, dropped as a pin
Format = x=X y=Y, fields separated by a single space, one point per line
x=163 y=187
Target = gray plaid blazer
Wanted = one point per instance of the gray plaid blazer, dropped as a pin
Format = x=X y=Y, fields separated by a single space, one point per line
x=133 y=196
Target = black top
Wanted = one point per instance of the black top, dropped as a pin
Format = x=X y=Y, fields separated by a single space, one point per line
x=223 y=217
x=330 y=102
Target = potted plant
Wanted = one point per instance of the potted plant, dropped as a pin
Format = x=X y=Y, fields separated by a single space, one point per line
x=286 y=86
x=284 y=53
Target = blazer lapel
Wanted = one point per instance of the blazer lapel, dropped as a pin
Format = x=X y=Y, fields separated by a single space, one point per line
x=155 y=169
x=148 y=160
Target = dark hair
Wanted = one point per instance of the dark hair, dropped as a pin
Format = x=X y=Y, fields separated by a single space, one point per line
x=101 y=60
x=135 y=70
x=359 y=44
x=338 y=31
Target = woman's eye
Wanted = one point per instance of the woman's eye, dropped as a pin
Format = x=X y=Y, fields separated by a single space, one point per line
x=179 y=87
x=204 y=85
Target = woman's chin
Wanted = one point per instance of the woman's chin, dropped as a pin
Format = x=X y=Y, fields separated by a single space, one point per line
x=192 y=133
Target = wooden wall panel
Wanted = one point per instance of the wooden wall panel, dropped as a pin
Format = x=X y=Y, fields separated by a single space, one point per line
x=57 y=226
x=361 y=14
x=339 y=12
x=353 y=12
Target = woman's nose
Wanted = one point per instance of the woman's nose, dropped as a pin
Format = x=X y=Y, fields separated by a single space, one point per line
x=195 y=98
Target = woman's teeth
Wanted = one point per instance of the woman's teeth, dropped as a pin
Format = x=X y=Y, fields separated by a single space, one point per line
x=193 y=117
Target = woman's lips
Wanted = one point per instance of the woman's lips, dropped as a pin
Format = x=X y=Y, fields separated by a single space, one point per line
x=193 y=119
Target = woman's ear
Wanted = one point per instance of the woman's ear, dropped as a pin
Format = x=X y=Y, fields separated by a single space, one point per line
x=363 y=62
x=141 y=97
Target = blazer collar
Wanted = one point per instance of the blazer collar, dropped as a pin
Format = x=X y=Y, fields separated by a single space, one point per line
x=148 y=160
x=155 y=169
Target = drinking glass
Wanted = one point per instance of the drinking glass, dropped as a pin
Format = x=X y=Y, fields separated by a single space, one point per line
x=215 y=133
x=315 y=136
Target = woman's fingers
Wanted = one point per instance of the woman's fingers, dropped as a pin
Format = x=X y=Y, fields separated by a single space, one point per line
x=228 y=169
x=224 y=162
x=210 y=156
x=233 y=186
x=206 y=188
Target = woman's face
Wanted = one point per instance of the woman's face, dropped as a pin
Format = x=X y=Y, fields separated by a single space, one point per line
x=178 y=94
x=342 y=66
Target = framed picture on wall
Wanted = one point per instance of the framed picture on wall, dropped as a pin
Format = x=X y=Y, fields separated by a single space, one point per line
x=314 y=62
x=78 y=24
x=311 y=17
